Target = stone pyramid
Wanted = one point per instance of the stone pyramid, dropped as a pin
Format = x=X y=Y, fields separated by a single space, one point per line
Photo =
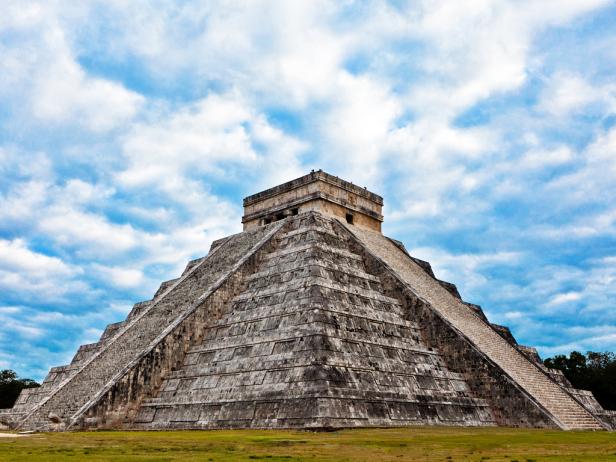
x=310 y=318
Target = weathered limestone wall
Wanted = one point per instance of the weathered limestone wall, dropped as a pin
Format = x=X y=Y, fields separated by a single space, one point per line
x=312 y=342
x=510 y=405
x=119 y=405
x=338 y=211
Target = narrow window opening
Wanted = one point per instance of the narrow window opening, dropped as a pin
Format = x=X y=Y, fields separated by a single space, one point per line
x=349 y=218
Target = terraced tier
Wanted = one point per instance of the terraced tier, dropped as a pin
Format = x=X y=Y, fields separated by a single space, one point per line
x=312 y=341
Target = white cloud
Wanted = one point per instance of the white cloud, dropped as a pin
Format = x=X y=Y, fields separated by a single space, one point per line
x=557 y=12
x=567 y=297
x=25 y=329
x=121 y=277
x=33 y=274
x=65 y=94
x=197 y=137
x=358 y=125
x=15 y=256
x=283 y=51
x=21 y=202
x=467 y=271
x=10 y=309
x=587 y=340
x=569 y=93
x=90 y=233
x=592 y=184
x=77 y=191
x=44 y=70
x=217 y=136
x=482 y=47
x=602 y=223
x=514 y=315
x=535 y=159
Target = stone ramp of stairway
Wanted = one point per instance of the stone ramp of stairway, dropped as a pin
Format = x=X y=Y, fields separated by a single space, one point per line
x=109 y=364
x=566 y=411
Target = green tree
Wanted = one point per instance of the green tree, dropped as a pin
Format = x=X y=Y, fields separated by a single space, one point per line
x=11 y=386
x=594 y=371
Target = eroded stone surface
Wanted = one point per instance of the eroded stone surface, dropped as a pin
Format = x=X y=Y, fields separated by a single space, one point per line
x=313 y=341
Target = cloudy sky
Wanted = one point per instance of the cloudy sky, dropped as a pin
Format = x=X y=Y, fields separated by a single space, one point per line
x=130 y=131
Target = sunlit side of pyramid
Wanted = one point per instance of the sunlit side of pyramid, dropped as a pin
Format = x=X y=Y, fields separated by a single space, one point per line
x=309 y=318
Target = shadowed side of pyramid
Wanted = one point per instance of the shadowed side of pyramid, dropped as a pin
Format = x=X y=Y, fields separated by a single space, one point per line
x=520 y=391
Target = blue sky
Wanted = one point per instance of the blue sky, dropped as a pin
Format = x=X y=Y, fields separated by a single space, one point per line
x=130 y=131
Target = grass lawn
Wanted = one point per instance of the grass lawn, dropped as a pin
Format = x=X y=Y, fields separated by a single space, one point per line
x=433 y=444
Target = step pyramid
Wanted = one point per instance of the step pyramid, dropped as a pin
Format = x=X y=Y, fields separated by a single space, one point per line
x=310 y=318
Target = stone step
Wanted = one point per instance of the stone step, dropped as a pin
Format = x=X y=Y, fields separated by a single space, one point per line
x=164 y=286
x=307 y=389
x=298 y=332
x=346 y=362
x=138 y=308
x=306 y=229
x=193 y=263
x=303 y=284
x=312 y=246
x=325 y=265
x=278 y=310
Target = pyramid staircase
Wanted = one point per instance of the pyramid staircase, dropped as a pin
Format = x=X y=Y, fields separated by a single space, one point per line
x=88 y=380
x=566 y=411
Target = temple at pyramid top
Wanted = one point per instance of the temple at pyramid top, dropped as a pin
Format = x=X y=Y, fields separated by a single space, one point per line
x=317 y=191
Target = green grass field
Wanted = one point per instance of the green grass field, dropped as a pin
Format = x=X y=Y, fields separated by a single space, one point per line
x=433 y=444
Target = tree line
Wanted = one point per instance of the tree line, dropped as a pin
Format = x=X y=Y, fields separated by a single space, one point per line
x=11 y=386
x=593 y=371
